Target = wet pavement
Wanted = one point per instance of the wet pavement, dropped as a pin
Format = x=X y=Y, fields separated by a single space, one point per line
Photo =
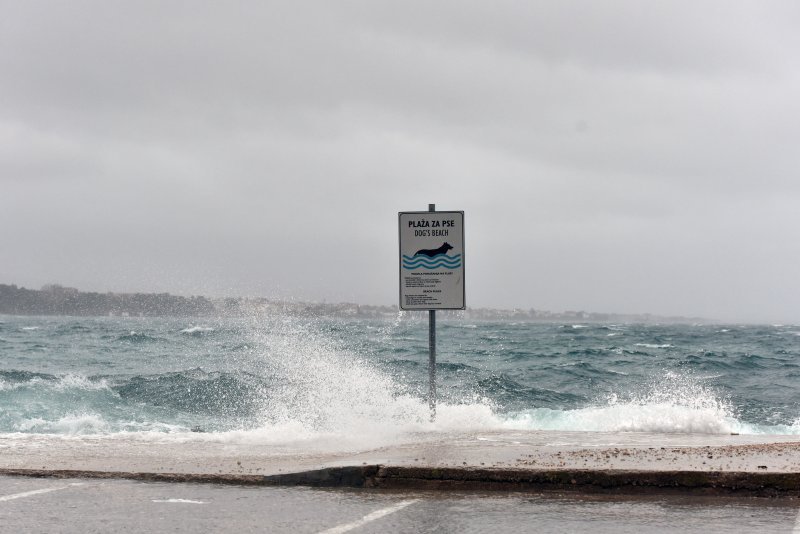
x=212 y=454
x=85 y=505
x=499 y=460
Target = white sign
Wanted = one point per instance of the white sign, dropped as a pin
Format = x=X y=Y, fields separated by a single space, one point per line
x=432 y=260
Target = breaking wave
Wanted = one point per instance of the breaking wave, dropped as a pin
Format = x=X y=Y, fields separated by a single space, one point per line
x=672 y=403
x=354 y=384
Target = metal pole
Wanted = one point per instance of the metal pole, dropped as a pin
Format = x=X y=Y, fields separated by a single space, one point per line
x=432 y=353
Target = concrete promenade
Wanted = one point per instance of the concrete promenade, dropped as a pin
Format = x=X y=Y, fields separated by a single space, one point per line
x=511 y=460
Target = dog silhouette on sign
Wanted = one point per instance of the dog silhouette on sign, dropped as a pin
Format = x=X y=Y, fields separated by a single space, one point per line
x=435 y=251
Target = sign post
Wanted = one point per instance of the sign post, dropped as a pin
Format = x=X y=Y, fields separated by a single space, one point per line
x=432 y=271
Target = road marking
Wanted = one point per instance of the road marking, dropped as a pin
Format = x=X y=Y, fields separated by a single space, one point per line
x=183 y=501
x=36 y=492
x=797 y=524
x=369 y=517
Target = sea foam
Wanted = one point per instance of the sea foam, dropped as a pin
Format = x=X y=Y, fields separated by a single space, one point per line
x=670 y=403
x=71 y=424
x=328 y=396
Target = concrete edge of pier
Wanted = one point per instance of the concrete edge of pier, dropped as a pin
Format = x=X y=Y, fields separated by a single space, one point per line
x=585 y=481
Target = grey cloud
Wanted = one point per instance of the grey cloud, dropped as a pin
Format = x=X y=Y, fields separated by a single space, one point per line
x=636 y=157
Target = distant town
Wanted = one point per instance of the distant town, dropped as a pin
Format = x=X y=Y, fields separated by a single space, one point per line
x=54 y=299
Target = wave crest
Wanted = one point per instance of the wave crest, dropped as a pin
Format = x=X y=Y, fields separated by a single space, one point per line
x=671 y=403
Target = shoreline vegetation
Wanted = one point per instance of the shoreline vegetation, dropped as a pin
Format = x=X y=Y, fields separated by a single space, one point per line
x=54 y=299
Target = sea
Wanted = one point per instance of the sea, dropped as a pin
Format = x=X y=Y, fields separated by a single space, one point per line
x=353 y=383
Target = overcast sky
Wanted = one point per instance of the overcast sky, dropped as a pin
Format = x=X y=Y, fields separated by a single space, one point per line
x=639 y=156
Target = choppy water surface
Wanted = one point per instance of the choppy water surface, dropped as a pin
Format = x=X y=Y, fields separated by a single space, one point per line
x=295 y=380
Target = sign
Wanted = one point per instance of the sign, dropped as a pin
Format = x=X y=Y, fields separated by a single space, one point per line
x=432 y=260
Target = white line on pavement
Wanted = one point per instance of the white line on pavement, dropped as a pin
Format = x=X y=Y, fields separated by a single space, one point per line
x=24 y=494
x=369 y=517
x=797 y=524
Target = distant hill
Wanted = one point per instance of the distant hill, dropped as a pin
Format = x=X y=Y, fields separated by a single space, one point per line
x=54 y=299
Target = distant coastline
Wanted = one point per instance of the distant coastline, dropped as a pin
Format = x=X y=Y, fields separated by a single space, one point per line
x=54 y=299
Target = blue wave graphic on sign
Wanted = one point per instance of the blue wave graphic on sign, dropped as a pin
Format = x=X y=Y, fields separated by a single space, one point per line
x=439 y=261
